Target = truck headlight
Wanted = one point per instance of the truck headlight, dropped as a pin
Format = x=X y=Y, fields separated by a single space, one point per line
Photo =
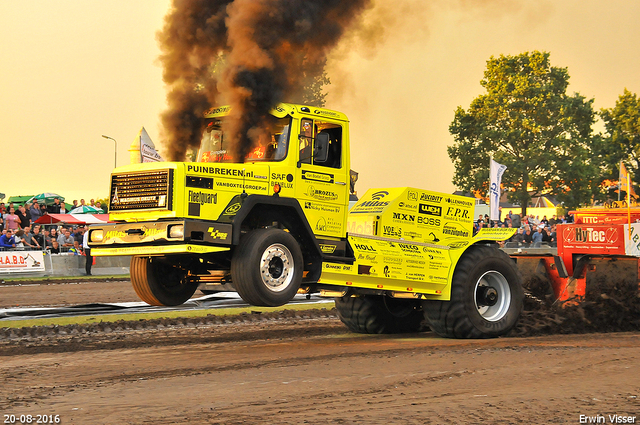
x=96 y=235
x=176 y=231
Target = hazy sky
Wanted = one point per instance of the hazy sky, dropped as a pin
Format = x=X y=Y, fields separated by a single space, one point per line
x=72 y=70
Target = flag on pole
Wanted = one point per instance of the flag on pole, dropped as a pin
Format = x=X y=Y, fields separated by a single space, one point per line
x=625 y=182
x=495 y=176
x=148 y=152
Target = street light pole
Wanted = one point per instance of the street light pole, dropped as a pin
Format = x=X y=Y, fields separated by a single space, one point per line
x=115 y=160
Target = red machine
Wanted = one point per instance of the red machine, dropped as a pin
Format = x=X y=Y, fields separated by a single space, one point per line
x=590 y=253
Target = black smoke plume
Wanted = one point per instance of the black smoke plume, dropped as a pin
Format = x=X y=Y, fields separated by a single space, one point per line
x=250 y=54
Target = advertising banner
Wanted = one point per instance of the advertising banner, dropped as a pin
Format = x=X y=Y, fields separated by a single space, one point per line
x=21 y=261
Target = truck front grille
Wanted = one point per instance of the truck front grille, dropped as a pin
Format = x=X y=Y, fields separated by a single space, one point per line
x=141 y=191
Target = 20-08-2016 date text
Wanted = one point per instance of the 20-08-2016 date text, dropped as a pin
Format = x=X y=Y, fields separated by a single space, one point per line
x=31 y=419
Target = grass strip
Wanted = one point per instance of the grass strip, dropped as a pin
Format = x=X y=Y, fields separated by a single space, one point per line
x=64 y=278
x=107 y=318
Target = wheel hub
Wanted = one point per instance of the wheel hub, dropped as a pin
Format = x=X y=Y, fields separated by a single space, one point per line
x=486 y=296
x=492 y=296
x=276 y=267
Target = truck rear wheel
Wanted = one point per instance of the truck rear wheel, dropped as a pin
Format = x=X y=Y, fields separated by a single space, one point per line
x=158 y=282
x=266 y=268
x=376 y=314
x=486 y=297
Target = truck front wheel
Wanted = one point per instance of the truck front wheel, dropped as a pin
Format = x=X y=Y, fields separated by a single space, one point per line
x=266 y=268
x=158 y=282
x=377 y=314
x=486 y=297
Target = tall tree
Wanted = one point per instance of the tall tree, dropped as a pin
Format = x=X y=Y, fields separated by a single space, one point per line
x=622 y=141
x=528 y=122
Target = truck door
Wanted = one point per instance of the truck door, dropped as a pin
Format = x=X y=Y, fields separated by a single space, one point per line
x=322 y=188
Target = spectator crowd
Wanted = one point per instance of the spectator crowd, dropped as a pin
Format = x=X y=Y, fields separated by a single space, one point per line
x=21 y=232
x=532 y=230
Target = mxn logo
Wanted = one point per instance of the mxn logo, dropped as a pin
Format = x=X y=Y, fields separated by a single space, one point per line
x=404 y=217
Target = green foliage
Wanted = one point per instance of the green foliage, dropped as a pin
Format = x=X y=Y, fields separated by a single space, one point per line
x=622 y=141
x=527 y=122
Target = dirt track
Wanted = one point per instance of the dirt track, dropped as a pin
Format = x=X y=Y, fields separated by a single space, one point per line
x=300 y=370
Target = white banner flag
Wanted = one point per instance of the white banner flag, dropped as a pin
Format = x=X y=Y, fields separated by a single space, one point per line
x=148 y=152
x=495 y=176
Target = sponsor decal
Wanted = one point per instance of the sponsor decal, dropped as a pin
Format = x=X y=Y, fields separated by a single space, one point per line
x=233 y=185
x=429 y=221
x=321 y=194
x=392 y=260
x=326 y=113
x=452 y=229
x=232 y=209
x=360 y=228
x=457 y=213
x=430 y=198
x=462 y=202
x=26 y=261
x=374 y=205
x=217 y=234
x=590 y=235
x=364 y=247
x=392 y=231
x=412 y=195
x=430 y=209
x=332 y=266
x=327 y=225
x=404 y=217
x=202 y=197
x=321 y=207
x=409 y=248
x=412 y=234
x=219 y=171
x=407 y=206
x=218 y=110
x=317 y=177
x=327 y=249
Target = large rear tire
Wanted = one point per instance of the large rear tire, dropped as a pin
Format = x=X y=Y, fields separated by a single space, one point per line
x=376 y=314
x=158 y=282
x=486 y=297
x=266 y=268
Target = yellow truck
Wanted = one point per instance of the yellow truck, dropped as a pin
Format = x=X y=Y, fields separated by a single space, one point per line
x=279 y=224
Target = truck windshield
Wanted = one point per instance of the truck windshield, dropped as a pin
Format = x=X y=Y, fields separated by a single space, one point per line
x=270 y=146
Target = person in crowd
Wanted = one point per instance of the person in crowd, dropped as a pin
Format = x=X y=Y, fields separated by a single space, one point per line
x=75 y=250
x=55 y=247
x=54 y=233
x=22 y=215
x=519 y=237
x=55 y=207
x=82 y=203
x=28 y=240
x=87 y=252
x=2 y=209
x=46 y=235
x=537 y=236
x=553 y=241
x=77 y=235
x=552 y=220
x=18 y=238
x=35 y=211
x=544 y=221
x=63 y=208
x=527 y=237
x=1 y=224
x=27 y=212
x=75 y=204
x=38 y=236
x=65 y=239
x=92 y=202
x=12 y=220
x=7 y=240
x=43 y=210
x=99 y=205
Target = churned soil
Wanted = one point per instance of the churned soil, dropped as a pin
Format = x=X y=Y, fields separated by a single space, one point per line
x=294 y=367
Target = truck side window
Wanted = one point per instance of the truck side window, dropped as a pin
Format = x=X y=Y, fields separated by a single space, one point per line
x=334 y=159
x=306 y=140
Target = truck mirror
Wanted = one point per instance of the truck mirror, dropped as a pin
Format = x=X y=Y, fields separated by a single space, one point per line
x=321 y=148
